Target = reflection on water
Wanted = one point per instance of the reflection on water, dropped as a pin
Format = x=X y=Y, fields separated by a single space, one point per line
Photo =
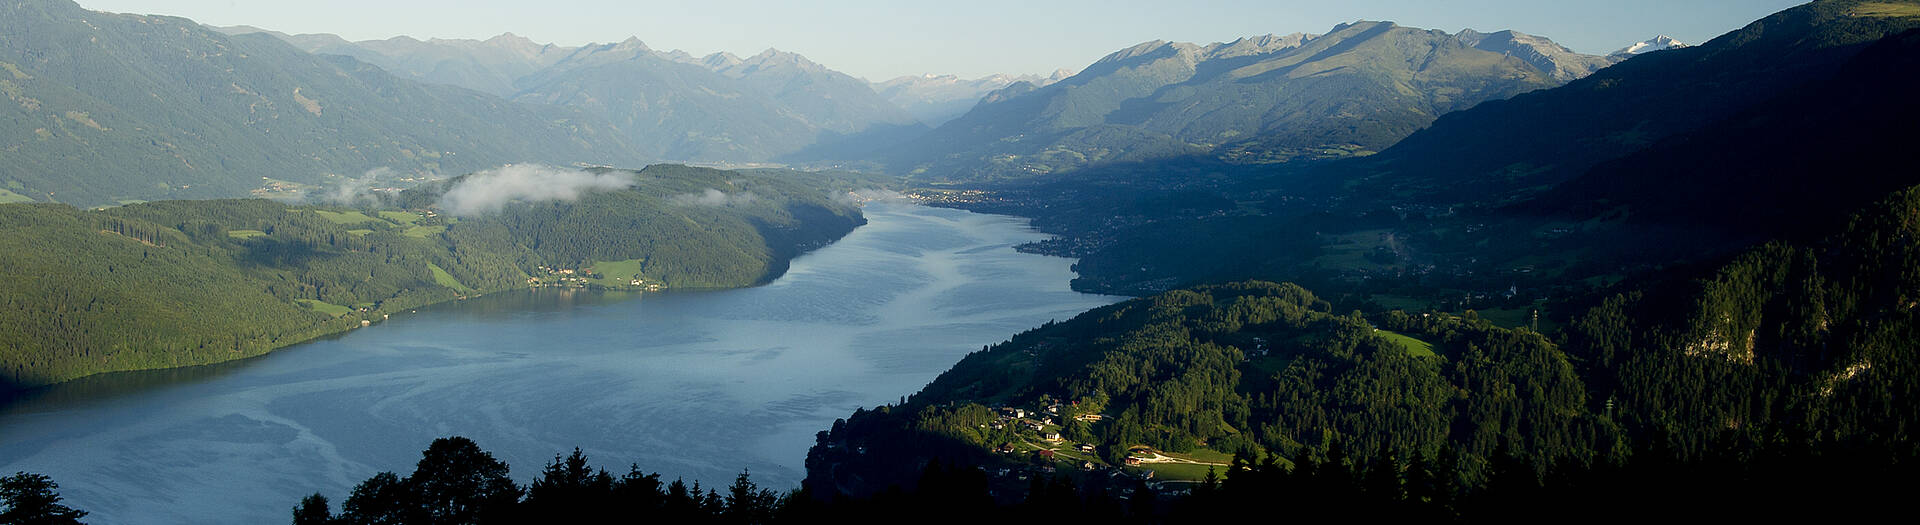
x=691 y=384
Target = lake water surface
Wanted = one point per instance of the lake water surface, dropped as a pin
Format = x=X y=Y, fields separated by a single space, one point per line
x=689 y=384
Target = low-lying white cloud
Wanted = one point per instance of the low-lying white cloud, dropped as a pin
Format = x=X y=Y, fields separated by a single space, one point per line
x=491 y=190
x=862 y=196
x=351 y=191
x=713 y=197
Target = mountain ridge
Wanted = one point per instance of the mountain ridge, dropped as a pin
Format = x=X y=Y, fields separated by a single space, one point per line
x=771 y=106
x=105 y=107
x=1273 y=98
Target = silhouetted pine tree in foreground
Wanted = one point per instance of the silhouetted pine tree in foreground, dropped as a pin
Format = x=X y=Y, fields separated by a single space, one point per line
x=33 y=499
x=456 y=482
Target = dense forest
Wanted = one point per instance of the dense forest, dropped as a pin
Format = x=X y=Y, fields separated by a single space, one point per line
x=1791 y=359
x=175 y=283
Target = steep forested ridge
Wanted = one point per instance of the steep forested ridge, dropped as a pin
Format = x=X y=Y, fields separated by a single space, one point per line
x=1241 y=368
x=1792 y=357
x=176 y=283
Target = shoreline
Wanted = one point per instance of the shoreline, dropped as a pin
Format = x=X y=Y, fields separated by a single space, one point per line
x=11 y=393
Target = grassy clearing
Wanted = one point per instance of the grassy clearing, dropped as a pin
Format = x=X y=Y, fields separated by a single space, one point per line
x=1181 y=471
x=9 y=197
x=422 y=232
x=1350 y=250
x=1401 y=302
x=1507 y=318
x=404 y=218
x=324 y=307
x=616 y=272
x=1205 y=455
x=1415 y=347
x=443 y=278
x=350 y=217
x=1886 y=10
x=245 y=234
x=362 y=233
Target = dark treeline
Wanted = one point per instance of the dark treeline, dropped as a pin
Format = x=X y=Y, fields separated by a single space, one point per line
x=456 y=482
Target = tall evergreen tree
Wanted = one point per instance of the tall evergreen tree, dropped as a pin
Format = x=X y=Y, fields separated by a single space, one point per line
x=457 y=482
x=34 y=499
x=313 y=510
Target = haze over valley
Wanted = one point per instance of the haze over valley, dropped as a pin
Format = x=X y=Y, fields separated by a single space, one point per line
x=762 y=262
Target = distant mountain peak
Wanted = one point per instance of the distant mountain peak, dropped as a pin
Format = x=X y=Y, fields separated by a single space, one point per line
x=631 y=43
x=1255 y=45
x=1138 y=50
x=510 y=39
x=773 y=57
x=1541 y=52
x=1363 y=25
x=720 y=60
x=1657 y=43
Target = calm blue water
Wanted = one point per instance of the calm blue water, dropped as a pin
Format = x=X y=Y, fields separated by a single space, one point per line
x=690 y=384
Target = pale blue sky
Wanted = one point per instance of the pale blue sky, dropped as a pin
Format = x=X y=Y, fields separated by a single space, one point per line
x=879 y=39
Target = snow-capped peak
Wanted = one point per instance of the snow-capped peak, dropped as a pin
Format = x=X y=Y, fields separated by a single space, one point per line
x=1658 y=43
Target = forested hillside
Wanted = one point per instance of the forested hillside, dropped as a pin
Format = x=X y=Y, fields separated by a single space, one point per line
x=177 y=283
x=1792 y=356
x=1248 y=368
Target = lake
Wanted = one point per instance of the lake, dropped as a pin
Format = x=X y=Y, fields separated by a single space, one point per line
x=694 y=385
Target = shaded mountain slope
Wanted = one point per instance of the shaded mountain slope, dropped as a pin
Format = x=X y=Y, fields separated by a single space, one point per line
x=1357 y=89
x=101 y=107
x=1505 y=150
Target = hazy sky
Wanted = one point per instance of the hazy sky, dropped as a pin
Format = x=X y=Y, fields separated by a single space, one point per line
x=883 y=39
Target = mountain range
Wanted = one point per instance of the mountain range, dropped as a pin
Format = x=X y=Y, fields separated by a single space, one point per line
x=107 y=107
x=714 y=108
x=1671 y=157
x=1355 y=90
x=936 y=99
x=170 y=109
x=1505 y=151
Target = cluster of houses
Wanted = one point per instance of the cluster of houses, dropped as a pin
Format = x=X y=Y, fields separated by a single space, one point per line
x=563 y=277
x=644 y=284
x=569 y=277
x=1039 y=422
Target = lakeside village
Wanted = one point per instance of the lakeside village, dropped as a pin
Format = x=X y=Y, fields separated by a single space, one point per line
x=586 y=278
x=1033 y=446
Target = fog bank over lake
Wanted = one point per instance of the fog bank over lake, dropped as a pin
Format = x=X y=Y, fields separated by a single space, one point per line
x=689 y=384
